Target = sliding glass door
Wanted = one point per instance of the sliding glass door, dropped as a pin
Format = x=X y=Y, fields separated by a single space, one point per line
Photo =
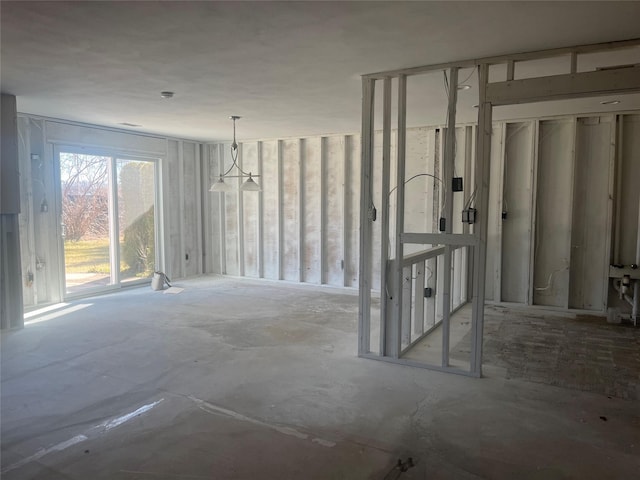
x=108 y=221
x=136 y=219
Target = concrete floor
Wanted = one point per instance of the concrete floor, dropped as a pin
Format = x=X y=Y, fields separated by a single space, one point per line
x=235 y=379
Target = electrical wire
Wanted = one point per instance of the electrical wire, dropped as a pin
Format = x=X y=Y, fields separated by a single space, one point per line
x=550 y=279
x=473 y=70
x=416 y=176
x=405 y=182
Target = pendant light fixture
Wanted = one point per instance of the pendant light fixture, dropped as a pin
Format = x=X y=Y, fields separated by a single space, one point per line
x=249 y=185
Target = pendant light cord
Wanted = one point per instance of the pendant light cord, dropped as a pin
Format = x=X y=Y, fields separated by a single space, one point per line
x=234 y=155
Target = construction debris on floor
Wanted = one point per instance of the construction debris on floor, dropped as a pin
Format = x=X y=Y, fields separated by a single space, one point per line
x=244 y=379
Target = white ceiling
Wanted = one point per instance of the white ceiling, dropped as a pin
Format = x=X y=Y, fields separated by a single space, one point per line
x=289 y=68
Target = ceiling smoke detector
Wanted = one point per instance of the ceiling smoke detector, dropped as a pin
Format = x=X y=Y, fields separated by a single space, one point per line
x=166 y=94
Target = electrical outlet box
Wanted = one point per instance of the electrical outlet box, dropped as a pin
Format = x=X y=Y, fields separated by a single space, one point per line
x=456 y=184
x=428 y=292
x=443 y=224
x=469 y=215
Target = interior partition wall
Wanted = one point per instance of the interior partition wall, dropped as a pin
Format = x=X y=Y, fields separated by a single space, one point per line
x=418 y=266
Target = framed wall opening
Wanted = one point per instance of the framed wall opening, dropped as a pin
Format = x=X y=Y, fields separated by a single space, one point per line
x=398 y=294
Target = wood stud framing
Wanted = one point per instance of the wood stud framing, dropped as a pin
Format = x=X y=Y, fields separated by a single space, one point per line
x=394 y=343
x=240 y=219
x=384 y=210
x=511 y=91
x=448 y=164
x=222 y=214
x=345 y=219
x=483 y=157
x=280 y=212
x=181 y=200
x=366 y=187
x=301 y=208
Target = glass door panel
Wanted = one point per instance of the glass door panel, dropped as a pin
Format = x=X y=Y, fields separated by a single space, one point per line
x=136 y=219
x=86 y=219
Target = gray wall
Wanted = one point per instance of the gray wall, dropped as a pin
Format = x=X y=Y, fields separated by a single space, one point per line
x=179 y=219
x=11 y=312
x=555 y=179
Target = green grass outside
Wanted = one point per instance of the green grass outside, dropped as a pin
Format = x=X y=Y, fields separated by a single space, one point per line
x=89 y=256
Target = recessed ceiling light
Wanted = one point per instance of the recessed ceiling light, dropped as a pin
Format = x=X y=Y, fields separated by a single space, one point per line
x=127 y=124
x=464 y=87
x=610 y=102
x=166 y=94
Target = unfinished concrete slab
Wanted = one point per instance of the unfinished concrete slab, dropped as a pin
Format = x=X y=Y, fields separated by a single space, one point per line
x=237 y=379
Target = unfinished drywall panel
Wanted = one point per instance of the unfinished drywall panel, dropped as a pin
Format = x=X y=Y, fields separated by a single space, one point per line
x=418 y=186
x=334 y=211
x=72 y=134
x=317 y=176
x=376 y=195
x=591 y=225
x=212 y=211
x=628 y=190
x=494 y=229
x=312 y=207
x=554 y=197
x=352 y=162
x=179 y=199
x=250 y=212
x=459 y=256
x=270 y=184
x=173 y=215
x=291 y=210
x=231 y=224
x=26 y=219
x=459 y=169
x=192 y=253
x=517 y=207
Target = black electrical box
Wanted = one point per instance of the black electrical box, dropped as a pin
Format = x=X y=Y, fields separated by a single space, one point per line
x=443 y=224
x=456 y=184
x=428 y=291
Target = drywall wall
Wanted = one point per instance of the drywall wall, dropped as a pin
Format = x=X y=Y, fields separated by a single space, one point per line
x=628 y=177
x=550 y=207
x=303 y=224
x=552 y=219
x=552 y=257
x=492 y=276
x=517 y=207
x=180 y=252
x=553 y=178
x=592 y=210
x=11 y=311
x=9 y=172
